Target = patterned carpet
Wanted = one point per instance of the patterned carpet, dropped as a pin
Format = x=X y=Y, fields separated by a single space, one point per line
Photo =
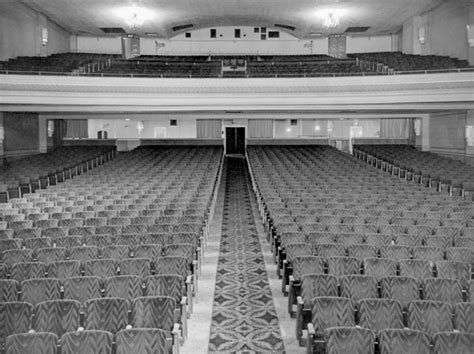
x=244 y=316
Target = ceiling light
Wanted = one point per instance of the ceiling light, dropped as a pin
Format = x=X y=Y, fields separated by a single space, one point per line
x=135 y=16
x=135 y=20
x=331 y=21
x=288 y=130
x=317 y=128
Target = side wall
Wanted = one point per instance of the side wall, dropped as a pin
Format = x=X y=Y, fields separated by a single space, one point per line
x=20 y=32
x=444 y=30
x=446 y=33
x=447 y=135
x=21 y=134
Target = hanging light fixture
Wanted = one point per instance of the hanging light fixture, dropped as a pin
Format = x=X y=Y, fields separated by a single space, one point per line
x=135 y=15
x=136 y=18
x=331 y=20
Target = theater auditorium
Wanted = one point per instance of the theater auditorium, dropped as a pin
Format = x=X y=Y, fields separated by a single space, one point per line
x=236 y=176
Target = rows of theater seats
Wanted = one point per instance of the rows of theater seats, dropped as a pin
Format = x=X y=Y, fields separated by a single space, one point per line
x=263 y=66
x=39 y=171
x=162 y=68
x=119 y=246
x=304 y=68
x=356 y=246
x=56 y=63
x=206 y=66
x=410 y=62
x=441 y=173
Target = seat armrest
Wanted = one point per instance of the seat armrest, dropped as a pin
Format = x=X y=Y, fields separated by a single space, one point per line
x=184 y=317
x=299 y=317
x=176 y=340
x=310 y=339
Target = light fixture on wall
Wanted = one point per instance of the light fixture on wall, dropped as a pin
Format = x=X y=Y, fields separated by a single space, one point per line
x=421 y=35
x=44 y=36
x=470 y=34
x=417 y=127
x=469 y=135
x=330 y=126
x=50 y=128
x=140 y=127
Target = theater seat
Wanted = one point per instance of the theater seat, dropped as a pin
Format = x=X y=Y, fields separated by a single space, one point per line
x=32 y=343
x=15 y=317
x=144 y=341
x=453 y=342
x=430 y=316
x=85 y=342
x=106 y=314
x=57 y=316
x=379 y=314
x=348 y=340
x=404 y=341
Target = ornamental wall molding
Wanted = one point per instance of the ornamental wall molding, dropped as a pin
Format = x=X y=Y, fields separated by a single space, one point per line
x=268 y=94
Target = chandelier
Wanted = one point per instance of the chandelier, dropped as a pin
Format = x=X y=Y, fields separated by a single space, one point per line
x=136 y=19
x=331 y=21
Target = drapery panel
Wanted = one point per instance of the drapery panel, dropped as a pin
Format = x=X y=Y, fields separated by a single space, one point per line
x=394 y=128
x=77 y=128
x=261 y=128
x=208 y=128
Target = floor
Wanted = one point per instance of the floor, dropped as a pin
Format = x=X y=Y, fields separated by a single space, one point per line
x=199 y=325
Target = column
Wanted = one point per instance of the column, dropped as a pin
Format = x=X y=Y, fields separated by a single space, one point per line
x=42 y=134
x=470 y=52
x=2 y=135
x=470 y=149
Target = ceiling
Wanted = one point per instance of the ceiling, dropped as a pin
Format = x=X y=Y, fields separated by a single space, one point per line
x=306 y=16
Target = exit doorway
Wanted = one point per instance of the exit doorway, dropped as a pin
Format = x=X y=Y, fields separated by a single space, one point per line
x=235 y=140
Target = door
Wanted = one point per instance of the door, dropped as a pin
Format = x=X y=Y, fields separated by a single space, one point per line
x=235 y=140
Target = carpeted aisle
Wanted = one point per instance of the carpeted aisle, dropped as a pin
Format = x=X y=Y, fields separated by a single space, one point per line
x=244 y=316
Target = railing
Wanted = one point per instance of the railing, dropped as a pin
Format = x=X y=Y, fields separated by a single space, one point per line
x=217 y=75
x=434 y=71
x=382 y=68
x=91 y=67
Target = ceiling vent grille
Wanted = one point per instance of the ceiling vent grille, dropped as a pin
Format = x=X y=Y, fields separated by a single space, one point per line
x=356 y=29
x=182 y=27
x=113 y=30
x=290 y=28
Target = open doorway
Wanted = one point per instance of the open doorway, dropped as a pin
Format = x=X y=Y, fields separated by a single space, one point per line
x=235 y=140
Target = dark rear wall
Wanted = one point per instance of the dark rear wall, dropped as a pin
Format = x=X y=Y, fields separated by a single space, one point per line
x=21 y=132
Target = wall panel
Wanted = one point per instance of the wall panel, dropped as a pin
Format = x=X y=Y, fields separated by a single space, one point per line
x=21 y=133
x=20 y=32
x=447 y=130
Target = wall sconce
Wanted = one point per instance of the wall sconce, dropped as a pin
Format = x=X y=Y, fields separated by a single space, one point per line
x=417 y=127
x=44 y=36
x=470 y=135
x=421 y=35
x=470 y=34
